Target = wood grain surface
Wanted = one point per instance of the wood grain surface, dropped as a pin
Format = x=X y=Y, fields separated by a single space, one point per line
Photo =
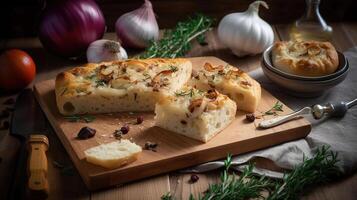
x=66 y=183
x=174 y=151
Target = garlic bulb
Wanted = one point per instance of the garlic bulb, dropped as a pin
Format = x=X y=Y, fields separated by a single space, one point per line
x=246 y=33
x=137 y=28
x=105 y=50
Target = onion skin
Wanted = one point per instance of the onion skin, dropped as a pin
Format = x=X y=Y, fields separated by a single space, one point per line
x=68 y=27
x=136 y=31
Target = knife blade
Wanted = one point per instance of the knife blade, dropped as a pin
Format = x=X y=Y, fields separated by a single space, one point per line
x=27 y=120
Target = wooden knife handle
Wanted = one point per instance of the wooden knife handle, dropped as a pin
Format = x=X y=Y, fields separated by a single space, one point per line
x=38 y=183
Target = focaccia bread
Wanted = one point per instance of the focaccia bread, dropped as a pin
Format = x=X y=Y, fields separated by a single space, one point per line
x=305 y=58
x=130 y=85
x=114 y=154
x=231 y=81
x=195 y=113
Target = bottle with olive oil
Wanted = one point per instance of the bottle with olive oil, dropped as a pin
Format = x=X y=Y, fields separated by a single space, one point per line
x=311 y=26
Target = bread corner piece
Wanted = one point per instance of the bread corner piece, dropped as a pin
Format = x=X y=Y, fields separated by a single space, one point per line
x=195 y=113
x=119 y=86
x=230 y=81
x=114 y=154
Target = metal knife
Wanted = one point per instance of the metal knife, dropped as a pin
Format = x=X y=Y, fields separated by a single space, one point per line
x=27 y=122
x=317 y=111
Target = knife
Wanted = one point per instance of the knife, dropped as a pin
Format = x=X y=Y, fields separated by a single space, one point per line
x=317 y=111
x=27 y=122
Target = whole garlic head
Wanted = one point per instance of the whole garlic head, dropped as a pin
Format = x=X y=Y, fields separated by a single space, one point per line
x=105 y=50
x=246 y=33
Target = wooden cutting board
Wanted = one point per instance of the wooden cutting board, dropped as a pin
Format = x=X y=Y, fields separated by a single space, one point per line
x=174 y=151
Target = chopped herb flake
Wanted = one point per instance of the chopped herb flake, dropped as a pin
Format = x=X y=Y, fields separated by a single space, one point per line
x=77 y=118
x=278 y=107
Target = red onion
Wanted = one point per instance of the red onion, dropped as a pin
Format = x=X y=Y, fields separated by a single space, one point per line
x=68 y=27
x=137 y=28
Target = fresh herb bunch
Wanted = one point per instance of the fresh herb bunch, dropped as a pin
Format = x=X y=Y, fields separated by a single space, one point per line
x=321 y=168
x=176 y=42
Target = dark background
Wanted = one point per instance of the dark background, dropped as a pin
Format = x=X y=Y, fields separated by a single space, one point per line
x=19 y=18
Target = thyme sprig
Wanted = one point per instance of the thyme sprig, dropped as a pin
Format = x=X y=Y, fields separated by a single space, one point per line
x=277 y=107
x=176 y=42
x=321 y=168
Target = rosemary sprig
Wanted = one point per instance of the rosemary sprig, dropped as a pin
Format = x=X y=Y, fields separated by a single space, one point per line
x=77 y=118
x=176 y=42
x=277 y=107
x=319 y=169
x=232 y=187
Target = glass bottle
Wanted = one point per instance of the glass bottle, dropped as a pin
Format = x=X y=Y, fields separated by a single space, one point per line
x=311 y=26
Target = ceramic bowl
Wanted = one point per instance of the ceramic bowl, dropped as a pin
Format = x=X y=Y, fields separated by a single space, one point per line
x=303 y=86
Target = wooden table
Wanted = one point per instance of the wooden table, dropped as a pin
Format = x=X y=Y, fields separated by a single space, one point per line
x=67 y=184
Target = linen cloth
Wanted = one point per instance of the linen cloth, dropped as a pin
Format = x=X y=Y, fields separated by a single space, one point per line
x=338 y=133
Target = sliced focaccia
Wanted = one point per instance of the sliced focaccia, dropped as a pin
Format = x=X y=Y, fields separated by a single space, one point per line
x=130 y=85
x=195 y=113
x=231 y=81
x=114 y=154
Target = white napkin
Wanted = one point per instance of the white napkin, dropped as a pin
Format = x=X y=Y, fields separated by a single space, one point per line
x=339 y=134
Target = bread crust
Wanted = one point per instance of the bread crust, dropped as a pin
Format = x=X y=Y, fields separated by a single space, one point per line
x=130 y=85
x=305 y=58
x=231 y=81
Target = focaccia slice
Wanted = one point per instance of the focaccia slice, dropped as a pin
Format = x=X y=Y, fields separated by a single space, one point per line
x=114 y=154
x=130 y=85
x=231 y=81
x=195 y=113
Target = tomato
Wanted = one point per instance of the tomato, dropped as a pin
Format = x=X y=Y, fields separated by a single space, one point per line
x=17 y=69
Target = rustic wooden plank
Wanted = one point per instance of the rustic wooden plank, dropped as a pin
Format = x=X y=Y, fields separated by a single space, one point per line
x=182 y=188
x=175 y=151
x=152 y=188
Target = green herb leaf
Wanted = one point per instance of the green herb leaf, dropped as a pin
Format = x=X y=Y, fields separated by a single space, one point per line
x=73 y=118
x=100 y=83
x=176 y=42
x=201 y=39
x=167 y=196
x=278 y=107
x=190 y=93
x=77 y=118
x=88 y=118
x=173 y=68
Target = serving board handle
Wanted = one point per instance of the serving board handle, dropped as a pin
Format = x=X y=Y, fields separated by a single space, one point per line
x=37 y=167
